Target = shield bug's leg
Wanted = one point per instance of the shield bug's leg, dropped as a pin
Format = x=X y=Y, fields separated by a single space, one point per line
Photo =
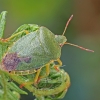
x=27 y=32
x=3 y=40
x=37 y=76
x=60 y=64
x=47 y=69
x=17 y=36
x=47 y=72
x=34 y=81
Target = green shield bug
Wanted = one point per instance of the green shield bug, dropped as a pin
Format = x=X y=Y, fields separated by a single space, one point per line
x=35 y=50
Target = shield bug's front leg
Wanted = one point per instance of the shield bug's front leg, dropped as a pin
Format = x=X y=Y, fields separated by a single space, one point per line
x=59 y=64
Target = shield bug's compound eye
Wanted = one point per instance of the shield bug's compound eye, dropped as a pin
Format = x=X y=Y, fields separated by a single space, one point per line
x=10 y=61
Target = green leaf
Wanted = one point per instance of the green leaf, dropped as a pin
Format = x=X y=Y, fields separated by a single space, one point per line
x=2 y=22
x=14 y=87
x=28 y=27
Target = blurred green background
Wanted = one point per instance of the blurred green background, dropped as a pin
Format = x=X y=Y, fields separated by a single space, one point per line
x=84 y=29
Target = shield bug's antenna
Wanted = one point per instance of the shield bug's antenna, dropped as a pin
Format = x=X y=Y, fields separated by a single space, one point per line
x=79 y=47
x=71 y=43
x=67 y=24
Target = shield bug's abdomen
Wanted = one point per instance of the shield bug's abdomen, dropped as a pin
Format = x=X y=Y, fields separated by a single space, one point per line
x=39 y=46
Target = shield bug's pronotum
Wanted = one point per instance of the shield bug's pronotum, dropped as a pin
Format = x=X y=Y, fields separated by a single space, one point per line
x=35 y=50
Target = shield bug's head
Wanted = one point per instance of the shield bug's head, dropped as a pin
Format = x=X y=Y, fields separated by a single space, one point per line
x=61 y=39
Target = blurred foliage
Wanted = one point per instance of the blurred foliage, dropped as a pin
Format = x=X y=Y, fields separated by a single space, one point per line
x=36 y=12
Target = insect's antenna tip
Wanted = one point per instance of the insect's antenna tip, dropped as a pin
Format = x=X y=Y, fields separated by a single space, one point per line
x=67 y=24
x=71 y=16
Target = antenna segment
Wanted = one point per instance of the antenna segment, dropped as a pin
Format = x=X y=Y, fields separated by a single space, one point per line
x=67 y=24
x=79 y=47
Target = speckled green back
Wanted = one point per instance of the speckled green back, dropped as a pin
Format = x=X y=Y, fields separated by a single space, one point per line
x=39 y=45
